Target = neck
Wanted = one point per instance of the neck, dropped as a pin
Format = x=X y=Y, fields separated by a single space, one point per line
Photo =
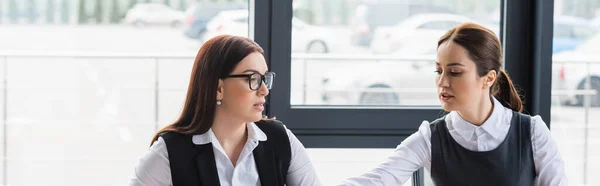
x=479 y=113
x=230 y=132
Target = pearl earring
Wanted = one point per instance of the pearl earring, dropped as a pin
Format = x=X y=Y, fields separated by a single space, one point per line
x=219 y=102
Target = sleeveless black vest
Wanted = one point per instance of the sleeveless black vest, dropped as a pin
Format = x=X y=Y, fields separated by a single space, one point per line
x=194 y=165
x=511 y=163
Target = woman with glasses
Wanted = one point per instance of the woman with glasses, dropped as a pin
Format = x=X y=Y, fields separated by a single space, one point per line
x=221 y=137
x=484 y=139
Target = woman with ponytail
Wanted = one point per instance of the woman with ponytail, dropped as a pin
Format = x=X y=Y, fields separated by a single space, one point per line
x=484 y=139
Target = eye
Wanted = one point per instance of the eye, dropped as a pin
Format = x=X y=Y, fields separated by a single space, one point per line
x=438 y=71
x=454 y=72
x=255 y=77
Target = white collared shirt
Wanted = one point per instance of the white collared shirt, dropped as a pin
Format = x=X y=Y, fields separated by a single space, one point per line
x=415 y=151
x=153 y=168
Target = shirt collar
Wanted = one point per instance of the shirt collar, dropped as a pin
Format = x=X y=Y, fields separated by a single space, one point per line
x=492 y=126
x=254 y=133
x=201 y=139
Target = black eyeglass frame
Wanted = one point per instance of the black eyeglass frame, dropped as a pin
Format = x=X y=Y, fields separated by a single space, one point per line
x=263 y=79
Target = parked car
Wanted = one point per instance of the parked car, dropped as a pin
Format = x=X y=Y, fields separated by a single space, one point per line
x=391 y=80
x=198 y=15
x=153 y=14
x=570 y=70
x=569 y=32
x=306 y=38
x=420 y=31
x=372 y=14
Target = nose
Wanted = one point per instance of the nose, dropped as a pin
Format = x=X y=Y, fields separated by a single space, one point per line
x=442 y=81
x=263 y=90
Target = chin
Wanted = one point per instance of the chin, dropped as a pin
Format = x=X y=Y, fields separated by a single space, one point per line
x=255 y=117
x=448 y=107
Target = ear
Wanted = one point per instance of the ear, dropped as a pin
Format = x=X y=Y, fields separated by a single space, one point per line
x=220 y=90
x=489 y=79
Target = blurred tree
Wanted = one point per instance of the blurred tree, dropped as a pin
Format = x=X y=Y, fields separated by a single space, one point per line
x=64 y=11
x=82 y=13
x=344 y=12
x=31 y=9
x=13 y=11
x=50 y=11
x=98 y=12
x=592 y=9
x=131 y=4
x=182 y=5
x=115 y=15
x=168 y=3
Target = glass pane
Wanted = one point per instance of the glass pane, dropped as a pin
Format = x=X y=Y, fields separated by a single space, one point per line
x=576 y=89
x=351 y=52
x=84 y=86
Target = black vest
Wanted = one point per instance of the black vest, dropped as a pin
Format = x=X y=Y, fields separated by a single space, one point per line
x=194 y=165
x=510 y=164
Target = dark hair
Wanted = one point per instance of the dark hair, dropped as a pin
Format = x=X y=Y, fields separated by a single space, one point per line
x=215 y=60
x=485 y=50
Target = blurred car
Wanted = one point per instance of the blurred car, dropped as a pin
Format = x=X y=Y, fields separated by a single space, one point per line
x=418 y=31
x=198 y=15
x=306 y=38
x=153 y=14
x=570 y=70
x=372 y=14
x=389 y=80
x=570 y=32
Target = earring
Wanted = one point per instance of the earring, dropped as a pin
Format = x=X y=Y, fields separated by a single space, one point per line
x=219 y=102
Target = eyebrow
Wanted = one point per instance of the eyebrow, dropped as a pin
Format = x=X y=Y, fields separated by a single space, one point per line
x=254 y=71
x=250 y=70
x=451 y=64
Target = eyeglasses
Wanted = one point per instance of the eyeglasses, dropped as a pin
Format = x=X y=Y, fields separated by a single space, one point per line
x=256 y=79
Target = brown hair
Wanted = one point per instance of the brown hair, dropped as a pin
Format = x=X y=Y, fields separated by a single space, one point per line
x=215 y=60
x=485 y=50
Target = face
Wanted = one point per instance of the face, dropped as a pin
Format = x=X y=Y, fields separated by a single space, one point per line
x=236 y=95
x=459 y=86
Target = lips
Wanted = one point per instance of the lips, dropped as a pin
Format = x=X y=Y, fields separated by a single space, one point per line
x=259 y=106
x=445 y=96
x=259 y=103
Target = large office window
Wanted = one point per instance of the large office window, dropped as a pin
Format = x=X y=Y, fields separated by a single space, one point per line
x=365 y=53
x=329 y=111
x=576 y=88
x=358 y=76
x=366 y=69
